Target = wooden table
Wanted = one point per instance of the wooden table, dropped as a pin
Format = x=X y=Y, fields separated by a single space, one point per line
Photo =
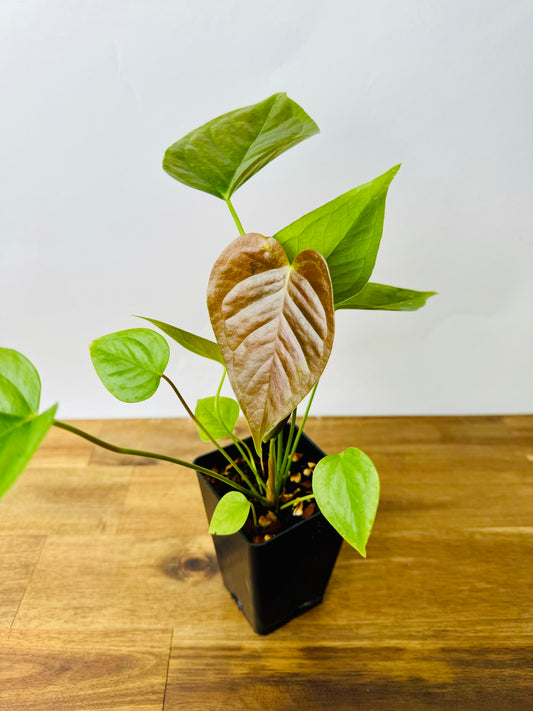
x=110 y=596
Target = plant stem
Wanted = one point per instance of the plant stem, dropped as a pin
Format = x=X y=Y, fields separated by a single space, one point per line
x=150 y=455
x=248 y=456
x=285 y=462
x=271 y=482
x=235 y=216
x=211 y=439
x=280 y=463
x=254 y=515
x=297 y=501
x=241 y=446
x=298 y=435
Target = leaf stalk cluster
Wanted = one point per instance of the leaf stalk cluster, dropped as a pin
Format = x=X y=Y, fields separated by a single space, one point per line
x=272 y=300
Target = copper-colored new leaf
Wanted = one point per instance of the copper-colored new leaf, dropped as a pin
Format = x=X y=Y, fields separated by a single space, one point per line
x=274 y=323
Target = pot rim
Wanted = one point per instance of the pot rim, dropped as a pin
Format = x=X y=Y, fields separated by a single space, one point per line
x=279 y=535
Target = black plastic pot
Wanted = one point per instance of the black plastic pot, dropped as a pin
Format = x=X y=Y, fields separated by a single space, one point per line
x=274 y=581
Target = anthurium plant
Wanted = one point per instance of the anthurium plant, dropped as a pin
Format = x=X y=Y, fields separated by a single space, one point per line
x=272 y=302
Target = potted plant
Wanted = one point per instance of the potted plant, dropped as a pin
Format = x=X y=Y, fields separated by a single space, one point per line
x=278 y=507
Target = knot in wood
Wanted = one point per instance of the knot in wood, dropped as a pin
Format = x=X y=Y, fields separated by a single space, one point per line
x=190 y=566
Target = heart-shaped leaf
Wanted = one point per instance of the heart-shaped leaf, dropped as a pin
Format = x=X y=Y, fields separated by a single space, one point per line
x=274 y=323
x=346 y=488
x=130 y=363
x=230 y=514
x=19 y=439
x=20 y=385
x=346 y=231
x=218 y=415
x=196 y=344
x=386 y=298
x=224 y=153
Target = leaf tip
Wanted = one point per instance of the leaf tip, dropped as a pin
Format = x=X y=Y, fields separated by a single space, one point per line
x=393 y=172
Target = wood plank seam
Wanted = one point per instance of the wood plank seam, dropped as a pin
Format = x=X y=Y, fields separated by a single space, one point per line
x=168 y=667
x=36 y=562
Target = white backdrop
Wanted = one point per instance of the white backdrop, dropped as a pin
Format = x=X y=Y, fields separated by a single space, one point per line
x=92 y=230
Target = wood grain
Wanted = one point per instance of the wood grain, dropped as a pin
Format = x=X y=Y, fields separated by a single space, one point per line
x=401 y=675
x=110 y=596
x=18 y=557
x=54 y=670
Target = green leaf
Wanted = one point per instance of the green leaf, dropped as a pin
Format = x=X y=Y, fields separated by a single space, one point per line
x=218 y=418
x=19 y=439
x=224 y=153
x=20 y=385
x=346 y=488
x=346 y=231
x=274 y=323
x=196 y=344
x=130 y=363
x=387 y=298
x=230 y=514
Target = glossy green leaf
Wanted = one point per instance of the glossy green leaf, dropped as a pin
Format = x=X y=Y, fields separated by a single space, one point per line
x=224 y=153
x=19 y=439
x=196 y=344
x=387 y=298
x=230 y=514
x=20 y=385
x=218 y=418
x=346 y=488
x=346 y=231
x=130 y=363
x=274 y=323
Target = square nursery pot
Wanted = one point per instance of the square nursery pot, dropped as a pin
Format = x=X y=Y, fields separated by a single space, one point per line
x=274 y=581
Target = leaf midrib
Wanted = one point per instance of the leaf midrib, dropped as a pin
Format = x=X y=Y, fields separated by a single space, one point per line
x=126 y=360
x=19 y=391
x=19 y=421
x=228 y=192
x=275 y=350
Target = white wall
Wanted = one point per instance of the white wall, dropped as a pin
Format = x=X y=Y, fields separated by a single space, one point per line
x=92 y=230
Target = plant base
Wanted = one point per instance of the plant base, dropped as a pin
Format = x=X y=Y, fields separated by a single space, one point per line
x=274 y=581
